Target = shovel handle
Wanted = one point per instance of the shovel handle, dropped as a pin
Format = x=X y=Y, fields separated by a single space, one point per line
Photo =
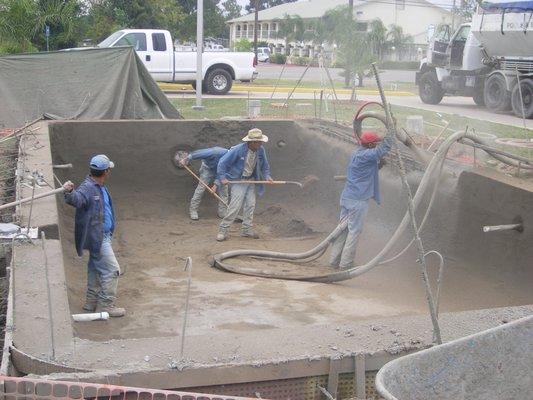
x=268 y=183
x=205 y=185
x=260 y=182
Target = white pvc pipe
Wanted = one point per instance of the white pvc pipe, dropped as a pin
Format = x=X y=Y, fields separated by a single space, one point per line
x=496 y=228
x=86 y=317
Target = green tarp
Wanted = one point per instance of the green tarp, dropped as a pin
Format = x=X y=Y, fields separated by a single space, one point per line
x=110 y=83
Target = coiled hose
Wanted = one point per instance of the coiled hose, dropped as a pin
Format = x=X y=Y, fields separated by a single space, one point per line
x=432 y=174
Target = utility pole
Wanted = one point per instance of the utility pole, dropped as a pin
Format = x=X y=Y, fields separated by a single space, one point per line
x=199 y=51
x=453 y=17
x=348 y=71
x=256 y=24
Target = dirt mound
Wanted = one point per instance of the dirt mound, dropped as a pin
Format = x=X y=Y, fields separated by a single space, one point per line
x=284 y=223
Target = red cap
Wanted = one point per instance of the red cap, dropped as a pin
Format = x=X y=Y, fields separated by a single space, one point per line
x=368 y=137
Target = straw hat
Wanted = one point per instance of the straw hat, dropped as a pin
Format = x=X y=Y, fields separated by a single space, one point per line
x=255 y=135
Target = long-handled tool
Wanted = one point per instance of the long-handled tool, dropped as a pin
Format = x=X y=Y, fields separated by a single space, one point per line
x=205 y=185
x=28 y=199
x=305 y=182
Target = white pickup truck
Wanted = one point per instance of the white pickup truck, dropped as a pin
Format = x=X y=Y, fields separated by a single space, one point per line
x=155 y=48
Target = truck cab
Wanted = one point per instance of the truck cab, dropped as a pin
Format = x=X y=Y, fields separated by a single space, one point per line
x=453 y=65
x=156 y=50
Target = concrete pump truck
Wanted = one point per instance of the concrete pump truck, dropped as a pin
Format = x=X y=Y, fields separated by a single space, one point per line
x=489 y=59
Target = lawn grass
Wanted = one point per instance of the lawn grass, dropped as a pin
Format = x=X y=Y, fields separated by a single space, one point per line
x=345 y=110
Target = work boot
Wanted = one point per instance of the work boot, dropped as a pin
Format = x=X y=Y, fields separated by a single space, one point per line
x=221 y=236
x=113 y=311
x=89 y=306
x=194 y=215
x=250 y=234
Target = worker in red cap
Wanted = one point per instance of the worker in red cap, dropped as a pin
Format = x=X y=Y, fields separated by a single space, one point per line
x=362 y=184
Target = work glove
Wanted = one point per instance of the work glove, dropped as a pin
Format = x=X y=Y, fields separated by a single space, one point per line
x=68 y=186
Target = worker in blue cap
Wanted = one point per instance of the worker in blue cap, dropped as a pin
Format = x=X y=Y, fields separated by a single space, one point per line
x=93 y=230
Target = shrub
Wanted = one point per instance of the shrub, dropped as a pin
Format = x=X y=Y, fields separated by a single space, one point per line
x=243 y=45
x=278 y=58
x=409 y=65
x=300 y=61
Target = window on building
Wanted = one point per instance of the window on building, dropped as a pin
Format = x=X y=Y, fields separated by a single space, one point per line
x=359 y=14
x=158 y=42
x=137 y=40
x=400 y=4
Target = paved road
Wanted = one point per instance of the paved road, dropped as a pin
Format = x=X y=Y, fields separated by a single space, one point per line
x=463 y=106
x=272 y=71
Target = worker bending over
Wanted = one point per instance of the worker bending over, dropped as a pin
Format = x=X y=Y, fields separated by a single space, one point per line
x=362 y=184
x=208 y=170
x=244 y=162
x=93 y=230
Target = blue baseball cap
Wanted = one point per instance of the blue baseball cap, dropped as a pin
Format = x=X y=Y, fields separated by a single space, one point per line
x=101 y=162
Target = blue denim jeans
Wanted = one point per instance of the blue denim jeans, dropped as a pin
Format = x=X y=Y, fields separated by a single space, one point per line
x=208 y=176
x=344 y=247
x=242 y=196
x=103 y=271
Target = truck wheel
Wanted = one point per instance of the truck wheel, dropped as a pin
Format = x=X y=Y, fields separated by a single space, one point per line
x=526 y=86
x=497 y=97
x=429 y=88
x=219 y=81
x=479 y=97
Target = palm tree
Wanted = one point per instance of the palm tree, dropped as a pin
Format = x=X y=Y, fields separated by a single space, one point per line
x=397 y=39
x=353 y=44
x=22 y=22
x=291 y=29
x=378 y=37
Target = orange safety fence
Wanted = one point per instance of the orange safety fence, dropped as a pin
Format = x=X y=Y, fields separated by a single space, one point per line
x=13 y=388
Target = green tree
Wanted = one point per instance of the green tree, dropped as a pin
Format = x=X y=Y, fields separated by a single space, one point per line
x=291 y=29
x=107 y=16
x=22 y=24
x=214 y=20
x=231 y=9
x=397 y=39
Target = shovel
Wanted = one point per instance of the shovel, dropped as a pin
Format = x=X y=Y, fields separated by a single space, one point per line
x=305 y=182
x=205 y=185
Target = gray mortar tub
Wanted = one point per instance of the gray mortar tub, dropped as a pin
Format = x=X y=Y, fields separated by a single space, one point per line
x=494 y=364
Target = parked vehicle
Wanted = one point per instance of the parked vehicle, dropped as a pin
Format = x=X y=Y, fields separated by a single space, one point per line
x=489 y=59
x=263 y=54
x=155 y=48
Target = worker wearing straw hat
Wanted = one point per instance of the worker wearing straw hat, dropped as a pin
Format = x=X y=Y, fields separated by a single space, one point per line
x=245 y=161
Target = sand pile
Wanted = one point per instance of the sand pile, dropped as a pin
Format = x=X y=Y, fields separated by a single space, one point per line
x=284 y=223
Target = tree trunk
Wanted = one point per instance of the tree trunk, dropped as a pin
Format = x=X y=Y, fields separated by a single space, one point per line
x=360 y=77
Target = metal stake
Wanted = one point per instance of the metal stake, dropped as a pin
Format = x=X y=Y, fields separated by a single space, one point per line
x=43 y=243
x=188 y=267
x=421 y=253
x=31 y=206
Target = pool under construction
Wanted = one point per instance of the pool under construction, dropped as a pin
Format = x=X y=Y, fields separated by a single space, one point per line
x=248 y=334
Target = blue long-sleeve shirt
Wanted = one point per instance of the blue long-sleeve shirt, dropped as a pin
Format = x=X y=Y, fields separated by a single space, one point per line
x=231 y=165
x=362 y=175
x=210 y=156
x=88 y=199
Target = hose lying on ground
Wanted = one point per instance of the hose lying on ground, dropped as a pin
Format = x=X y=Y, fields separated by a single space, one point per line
x=432 y=174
